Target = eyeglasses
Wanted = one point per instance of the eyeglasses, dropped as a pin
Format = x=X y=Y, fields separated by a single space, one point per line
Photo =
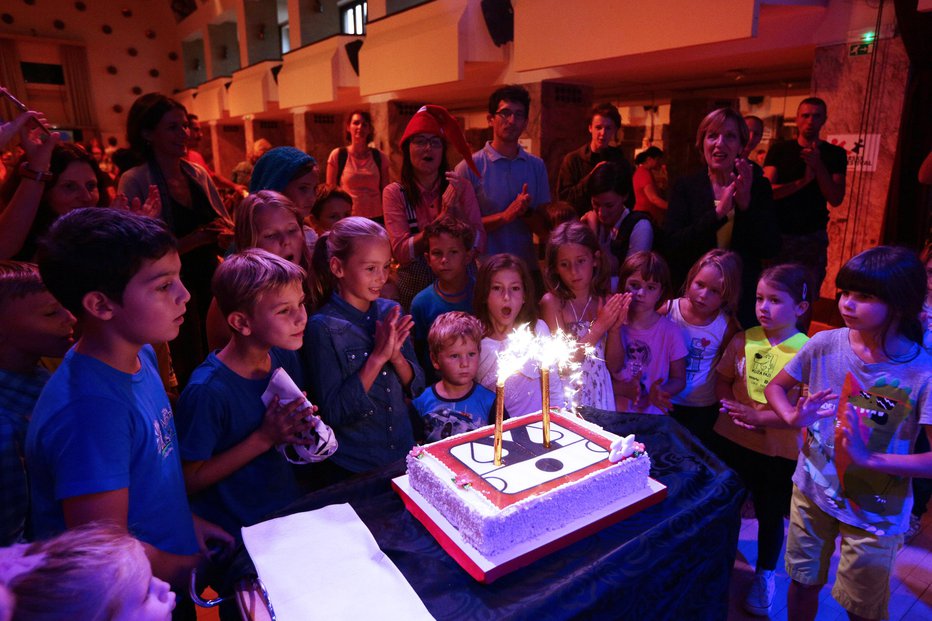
x=420 y=142
x=505 y=114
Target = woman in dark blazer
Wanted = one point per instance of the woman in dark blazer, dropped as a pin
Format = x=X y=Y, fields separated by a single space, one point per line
x=726 y=204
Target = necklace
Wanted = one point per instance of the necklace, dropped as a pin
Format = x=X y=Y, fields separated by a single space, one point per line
x=585 y=308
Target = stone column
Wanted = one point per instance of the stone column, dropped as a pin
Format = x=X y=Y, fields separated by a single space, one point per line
x=841 y=80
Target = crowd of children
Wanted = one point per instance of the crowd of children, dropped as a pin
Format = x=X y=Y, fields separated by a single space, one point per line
x=99 y=442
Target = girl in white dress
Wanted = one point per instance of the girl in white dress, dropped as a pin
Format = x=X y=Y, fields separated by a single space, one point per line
x=503 y=302
x=578 y=303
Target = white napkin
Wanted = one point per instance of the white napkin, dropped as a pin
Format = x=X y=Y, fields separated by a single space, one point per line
x=321 y=441
x=325 y=564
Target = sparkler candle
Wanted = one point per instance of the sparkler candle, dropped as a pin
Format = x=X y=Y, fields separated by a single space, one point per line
x=545 y=400
x=517 y=351
x=499 y=419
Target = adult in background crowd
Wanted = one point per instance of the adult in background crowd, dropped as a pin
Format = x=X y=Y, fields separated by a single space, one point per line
x=194 y=156
x=51 y=179
x=510 y=183
x=646 y=195
x=755 y=135
x=573 y=179
x=242 y=172
x=727 y=204
x=157 y=131
x=807 y=175
x=428 y=190
x=360 y=170
x=621 y=232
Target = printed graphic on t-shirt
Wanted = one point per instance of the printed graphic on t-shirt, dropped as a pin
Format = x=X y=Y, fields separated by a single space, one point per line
x=637 y=356
x=164 y=433
x=445 y=422
x=696 y=350
x=881 y=410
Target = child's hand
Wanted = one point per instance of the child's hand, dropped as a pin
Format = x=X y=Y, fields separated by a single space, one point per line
x=608 y=315
x=809 y=409
x=211 y=539
x=285 y=424
x=851 y=438
x=659 y=398
x=386 y=336
x=741 y=415
x=629 y=385
x=403 y=328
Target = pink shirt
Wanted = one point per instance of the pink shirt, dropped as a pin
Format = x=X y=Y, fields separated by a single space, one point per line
x=465 y=208
x=362 y=180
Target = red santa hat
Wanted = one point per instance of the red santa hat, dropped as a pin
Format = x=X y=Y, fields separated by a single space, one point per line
x=435 y=120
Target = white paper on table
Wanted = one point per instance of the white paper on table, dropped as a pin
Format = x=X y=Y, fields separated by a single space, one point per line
x=325 y=564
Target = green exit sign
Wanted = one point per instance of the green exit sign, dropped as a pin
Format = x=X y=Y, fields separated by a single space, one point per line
x=860 y=49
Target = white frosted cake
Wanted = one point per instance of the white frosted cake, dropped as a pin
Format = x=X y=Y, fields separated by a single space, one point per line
x=535 y=490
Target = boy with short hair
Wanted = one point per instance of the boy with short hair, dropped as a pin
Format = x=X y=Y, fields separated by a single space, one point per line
x=101 y=444
x=456 y=403
x=34 y=325
x=449 y=253
x=228 y=437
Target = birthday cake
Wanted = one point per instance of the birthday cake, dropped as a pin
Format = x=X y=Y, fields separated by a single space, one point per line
x=535 y=489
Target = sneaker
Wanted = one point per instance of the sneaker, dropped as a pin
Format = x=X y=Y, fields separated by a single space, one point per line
x=760 y=595
x=915 y=525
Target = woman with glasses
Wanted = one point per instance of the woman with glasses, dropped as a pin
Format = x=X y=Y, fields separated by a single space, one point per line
x=428 y=190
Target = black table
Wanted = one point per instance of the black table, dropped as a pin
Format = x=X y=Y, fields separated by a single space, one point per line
x=671 y=561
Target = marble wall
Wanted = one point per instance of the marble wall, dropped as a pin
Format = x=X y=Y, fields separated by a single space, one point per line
x=856 y=106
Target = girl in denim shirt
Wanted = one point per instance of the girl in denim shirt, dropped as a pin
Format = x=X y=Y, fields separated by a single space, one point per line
x=360 y=361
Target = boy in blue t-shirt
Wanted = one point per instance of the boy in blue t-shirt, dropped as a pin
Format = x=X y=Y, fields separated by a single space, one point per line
x=228 y=437
x=456 y=403
x=34 y=325
x=101 y=444
x=450 y=252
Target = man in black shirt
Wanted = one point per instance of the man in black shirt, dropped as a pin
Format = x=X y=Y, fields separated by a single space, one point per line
x=807 y=175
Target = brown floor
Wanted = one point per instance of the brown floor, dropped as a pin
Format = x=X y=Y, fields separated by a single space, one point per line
x=911 y=588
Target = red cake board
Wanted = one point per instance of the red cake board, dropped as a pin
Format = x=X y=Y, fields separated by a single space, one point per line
x=486 y=570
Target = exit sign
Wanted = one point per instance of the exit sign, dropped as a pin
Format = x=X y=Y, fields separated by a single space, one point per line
x=860 y=49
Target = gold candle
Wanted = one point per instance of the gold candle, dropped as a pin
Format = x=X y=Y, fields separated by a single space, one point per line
x=545 y=399
x=499 y=419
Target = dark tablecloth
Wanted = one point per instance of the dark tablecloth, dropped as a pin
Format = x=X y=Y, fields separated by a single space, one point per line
x=670 y=561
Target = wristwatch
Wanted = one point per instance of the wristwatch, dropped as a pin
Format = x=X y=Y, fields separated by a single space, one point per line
x=35 y=175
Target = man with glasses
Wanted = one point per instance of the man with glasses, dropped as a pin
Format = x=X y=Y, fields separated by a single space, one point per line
x=513 y=183
x=577 y=166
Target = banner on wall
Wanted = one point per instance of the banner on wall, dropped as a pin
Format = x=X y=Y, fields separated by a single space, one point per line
x=862 y=151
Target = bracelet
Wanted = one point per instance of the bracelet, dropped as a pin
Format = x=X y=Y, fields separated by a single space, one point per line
x=35 y=175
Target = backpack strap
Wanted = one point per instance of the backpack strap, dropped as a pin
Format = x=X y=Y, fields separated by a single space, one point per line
x=342 y=155
x=377 y=158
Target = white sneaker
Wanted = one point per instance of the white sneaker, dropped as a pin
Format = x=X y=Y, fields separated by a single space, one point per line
x=760 y=595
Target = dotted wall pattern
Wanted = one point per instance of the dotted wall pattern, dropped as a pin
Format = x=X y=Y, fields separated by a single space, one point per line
x=126 y=56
